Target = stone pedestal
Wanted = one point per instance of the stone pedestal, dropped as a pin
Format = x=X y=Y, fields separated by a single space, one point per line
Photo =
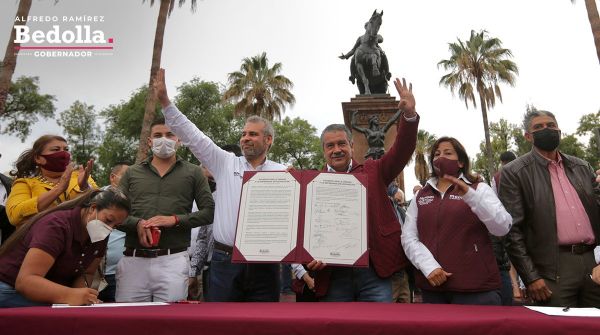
x=382 y=105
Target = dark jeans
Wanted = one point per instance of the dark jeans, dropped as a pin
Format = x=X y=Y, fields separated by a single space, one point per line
x=286 y=278
x=358 y=284
x=462 y=298
x=108 y=294
x=238 y=282
x=506 y=291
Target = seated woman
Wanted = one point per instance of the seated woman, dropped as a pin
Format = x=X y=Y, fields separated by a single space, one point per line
x=45 y=178
x=52 y=257
x=445 y=234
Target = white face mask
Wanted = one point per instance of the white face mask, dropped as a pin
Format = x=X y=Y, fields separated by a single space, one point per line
x=163 y=147
x=98 y=230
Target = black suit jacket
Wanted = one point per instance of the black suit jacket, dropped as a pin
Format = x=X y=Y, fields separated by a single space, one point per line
x=5 y=225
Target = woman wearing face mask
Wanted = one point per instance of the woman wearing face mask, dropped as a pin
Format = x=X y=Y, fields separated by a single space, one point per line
x=52 y=258
x=45 y=178
x=445 y=234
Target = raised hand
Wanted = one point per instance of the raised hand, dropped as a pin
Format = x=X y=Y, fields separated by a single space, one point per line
x=84 y=174
x=160 y=88
x=65 y=179
x=407 y=99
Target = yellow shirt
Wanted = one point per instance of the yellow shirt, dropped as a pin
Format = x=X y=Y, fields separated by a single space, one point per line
x=23 y=199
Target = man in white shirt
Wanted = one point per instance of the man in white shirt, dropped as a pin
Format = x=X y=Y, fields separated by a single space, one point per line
x=228 y=281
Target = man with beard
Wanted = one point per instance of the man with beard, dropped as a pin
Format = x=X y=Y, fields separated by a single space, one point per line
x=554 y=201
x=228 y=281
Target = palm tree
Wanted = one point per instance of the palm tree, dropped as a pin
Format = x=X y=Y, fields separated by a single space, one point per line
x=592 y=11
x=479 y=65
x=166 y=7
x=257 y=89
x=424 y=142
x=7 y=68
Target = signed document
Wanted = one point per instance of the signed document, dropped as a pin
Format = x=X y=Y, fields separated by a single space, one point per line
x=298 y=216
x=335 y=227
x=268 y=216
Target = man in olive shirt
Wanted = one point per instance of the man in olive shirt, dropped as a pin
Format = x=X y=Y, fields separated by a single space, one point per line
x=162 y=190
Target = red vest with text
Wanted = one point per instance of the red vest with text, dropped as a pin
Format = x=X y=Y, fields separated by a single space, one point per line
x=458 y=240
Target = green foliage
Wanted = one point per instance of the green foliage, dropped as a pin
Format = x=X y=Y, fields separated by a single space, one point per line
x=258 y=89
x=504 y=137
x=424 y=142
x=571 y=146
x=587 y=127
x=200 y=101
x=297 y=144
x=24 y=106
x=83 y=133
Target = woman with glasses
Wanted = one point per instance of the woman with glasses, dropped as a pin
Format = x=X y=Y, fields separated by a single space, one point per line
x=52 y=257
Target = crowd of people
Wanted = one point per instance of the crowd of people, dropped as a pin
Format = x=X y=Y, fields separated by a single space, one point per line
x=458 y=241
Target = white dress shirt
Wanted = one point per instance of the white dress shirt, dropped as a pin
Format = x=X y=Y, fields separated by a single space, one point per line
x=226 y=168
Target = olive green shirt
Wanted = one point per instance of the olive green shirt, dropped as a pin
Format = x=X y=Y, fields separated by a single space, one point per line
x=172 y=194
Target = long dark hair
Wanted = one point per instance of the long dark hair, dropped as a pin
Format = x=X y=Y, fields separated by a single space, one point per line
x=25 y=165
x=462 y=157
x=108 y=198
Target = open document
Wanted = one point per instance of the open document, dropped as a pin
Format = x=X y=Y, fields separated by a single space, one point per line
x=298 y=216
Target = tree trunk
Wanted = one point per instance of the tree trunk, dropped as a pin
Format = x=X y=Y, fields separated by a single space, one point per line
x=488 y=143
x=594 y=18
x=150 y=109
x=10 y=56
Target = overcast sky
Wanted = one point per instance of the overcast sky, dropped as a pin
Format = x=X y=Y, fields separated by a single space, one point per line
x=551 y=41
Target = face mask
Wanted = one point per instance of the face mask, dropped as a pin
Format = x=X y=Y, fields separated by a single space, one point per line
x=163 y=147
x=546 y=139
x=443 y=166
x=57 y=161
x=98 y=230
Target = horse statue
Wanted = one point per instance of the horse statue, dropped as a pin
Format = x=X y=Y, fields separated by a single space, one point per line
x=369 y=63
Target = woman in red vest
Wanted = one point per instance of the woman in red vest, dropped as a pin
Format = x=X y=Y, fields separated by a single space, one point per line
x=446 y=232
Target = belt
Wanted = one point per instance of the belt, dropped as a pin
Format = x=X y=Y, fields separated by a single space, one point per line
x=223 y=247
x=151 y=253
x=577 y=249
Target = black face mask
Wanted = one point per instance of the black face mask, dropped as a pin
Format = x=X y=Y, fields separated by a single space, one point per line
x=546 y=139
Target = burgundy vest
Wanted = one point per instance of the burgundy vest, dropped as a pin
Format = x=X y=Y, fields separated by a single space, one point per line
x=458 y=240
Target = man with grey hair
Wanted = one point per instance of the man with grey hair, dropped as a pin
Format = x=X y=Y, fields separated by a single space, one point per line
x=228 y=281
x=386 y=255
x=554 y=200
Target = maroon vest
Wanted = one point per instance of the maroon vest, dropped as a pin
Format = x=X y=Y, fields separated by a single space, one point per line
x=458 y=240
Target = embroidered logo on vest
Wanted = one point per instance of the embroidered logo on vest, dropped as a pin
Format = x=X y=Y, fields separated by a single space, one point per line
x=426 y=200
x=455 y=197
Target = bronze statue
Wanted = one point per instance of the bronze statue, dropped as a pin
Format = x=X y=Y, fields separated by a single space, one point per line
x=375 y=134
x=369 y=61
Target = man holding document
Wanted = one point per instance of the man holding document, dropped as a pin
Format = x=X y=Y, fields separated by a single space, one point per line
x=229 y=282
x=385 y=250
